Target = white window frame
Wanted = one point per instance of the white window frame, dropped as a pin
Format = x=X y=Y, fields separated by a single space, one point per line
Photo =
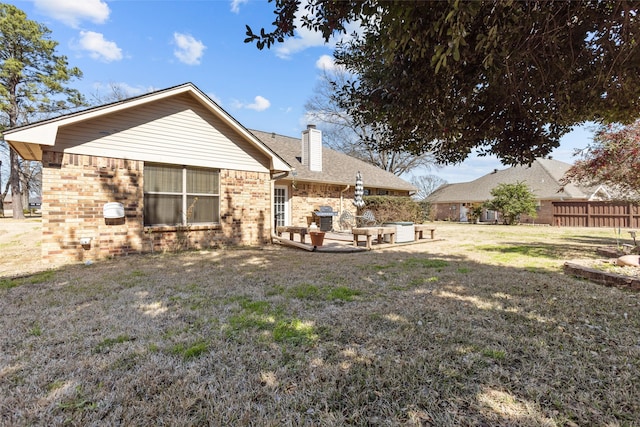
x=287 y=217
x=185 y=195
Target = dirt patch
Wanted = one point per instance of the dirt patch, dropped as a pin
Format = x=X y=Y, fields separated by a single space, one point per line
x=20 y=243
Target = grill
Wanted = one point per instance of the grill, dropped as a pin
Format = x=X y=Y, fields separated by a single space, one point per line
x=324 y=217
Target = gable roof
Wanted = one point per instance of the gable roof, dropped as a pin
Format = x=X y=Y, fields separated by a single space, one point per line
x=337 y=168
x=542 y=176
x=28 y=140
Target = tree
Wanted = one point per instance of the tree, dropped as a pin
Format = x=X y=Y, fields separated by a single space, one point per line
x=114 y=92
x=359 y=141
x=613 y=159
x=426 y=184
x=502 y=77
x=33 y=82
x=511 y=201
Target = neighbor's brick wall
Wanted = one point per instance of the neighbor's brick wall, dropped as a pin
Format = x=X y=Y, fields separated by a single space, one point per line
x=545 y=214
x=76 y=187
x=444 y=212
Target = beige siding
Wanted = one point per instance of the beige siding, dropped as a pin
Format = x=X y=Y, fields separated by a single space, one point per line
x=176 y=130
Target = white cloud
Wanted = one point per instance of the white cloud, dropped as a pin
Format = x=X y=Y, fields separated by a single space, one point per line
x=305 y=38
x=98 y=47
x=259 y=104
x=189 y=50
x=235 y=5
x=72 y=12
x=215 y=98
x=326 y=62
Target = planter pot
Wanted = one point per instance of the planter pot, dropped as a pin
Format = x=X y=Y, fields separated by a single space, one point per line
x=317 y=237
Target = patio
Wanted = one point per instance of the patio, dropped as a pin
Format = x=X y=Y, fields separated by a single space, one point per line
x=343 y=241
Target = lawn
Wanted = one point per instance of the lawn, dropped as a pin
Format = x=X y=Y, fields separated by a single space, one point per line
x=478 y=328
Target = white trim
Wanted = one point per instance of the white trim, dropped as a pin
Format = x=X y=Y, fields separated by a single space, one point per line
x=287 y=204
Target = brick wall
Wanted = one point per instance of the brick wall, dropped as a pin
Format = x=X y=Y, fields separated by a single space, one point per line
x=308 y=197
x=444 y=212
x=76 y=187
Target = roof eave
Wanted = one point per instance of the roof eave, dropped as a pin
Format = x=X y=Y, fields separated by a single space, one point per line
x=28 y=140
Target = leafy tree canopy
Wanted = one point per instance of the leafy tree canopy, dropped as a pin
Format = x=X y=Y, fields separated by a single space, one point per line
x=613 y=159
x=503 y=77
x=33 y=77
x=511 y=201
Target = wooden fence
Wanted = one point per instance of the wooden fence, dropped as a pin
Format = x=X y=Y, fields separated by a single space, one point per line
x=596 y=214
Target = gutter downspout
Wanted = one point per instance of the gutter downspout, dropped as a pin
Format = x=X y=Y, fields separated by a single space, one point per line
x=341 y=196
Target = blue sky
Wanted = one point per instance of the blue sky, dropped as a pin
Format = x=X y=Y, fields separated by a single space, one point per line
x=145 y=45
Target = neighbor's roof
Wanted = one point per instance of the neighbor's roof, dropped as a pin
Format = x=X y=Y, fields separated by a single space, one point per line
x=337 y=167
x=542 y=176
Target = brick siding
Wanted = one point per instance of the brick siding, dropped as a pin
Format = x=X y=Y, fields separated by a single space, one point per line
x=76 y=187
x=308 y=197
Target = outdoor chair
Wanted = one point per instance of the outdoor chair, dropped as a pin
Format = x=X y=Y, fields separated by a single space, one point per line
x=367 y=219
x=347 y=220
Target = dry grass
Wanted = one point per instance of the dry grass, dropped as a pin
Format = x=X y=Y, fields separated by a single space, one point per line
x=481 y=328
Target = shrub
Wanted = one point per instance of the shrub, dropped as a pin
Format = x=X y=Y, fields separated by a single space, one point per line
x=512 y=200
x=391 y=209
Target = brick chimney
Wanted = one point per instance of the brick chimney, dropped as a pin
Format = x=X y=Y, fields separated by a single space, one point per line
x=312 y=148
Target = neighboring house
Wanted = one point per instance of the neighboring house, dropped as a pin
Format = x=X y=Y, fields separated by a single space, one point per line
x=323 y=177
x=169 y=169
x=452 y=201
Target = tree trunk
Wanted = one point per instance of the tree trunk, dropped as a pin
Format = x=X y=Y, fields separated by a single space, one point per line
x=25 y=177
x=1 y=193
x=16 y=191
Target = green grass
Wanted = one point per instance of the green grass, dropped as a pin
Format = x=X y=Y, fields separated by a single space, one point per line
x=308 y=291
x=294 y=331
x=41 y=277
x=10 y=283
x=78 y=402
x=342 y=293
x=190 y=351
x=262 y=316
x=36 y=330
x=425 y=263
x=507 y=253
x=107 y=343
x=494 y=354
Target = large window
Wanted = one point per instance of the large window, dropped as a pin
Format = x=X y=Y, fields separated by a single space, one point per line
x=178 y=195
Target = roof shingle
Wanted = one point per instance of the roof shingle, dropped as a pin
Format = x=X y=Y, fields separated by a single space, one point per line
x=542 y=176
x=337 y=168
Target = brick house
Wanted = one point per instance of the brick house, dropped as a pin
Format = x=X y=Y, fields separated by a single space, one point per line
x=321 y=176
x=169 y=169
x=451 y=202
